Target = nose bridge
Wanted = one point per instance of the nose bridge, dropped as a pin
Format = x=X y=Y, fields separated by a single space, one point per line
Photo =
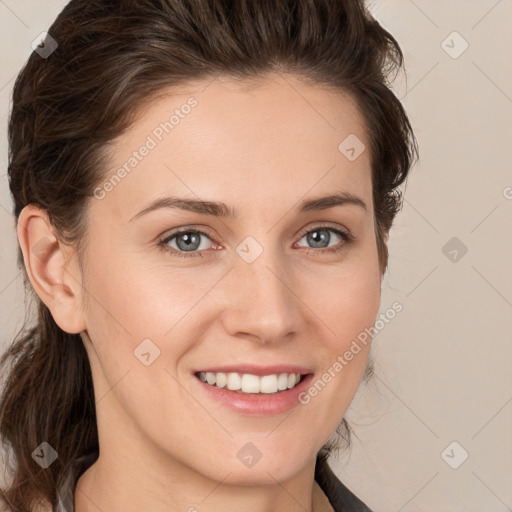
x=265 y=305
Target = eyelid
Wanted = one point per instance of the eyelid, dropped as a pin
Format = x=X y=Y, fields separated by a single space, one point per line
x=338 y=228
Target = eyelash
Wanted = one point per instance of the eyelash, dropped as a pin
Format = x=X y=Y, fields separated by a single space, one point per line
x=345 y=235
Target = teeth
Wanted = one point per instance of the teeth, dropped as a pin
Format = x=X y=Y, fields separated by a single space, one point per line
x=282 y=381
x=248 y=383
x=234 y=381
x=221 y=380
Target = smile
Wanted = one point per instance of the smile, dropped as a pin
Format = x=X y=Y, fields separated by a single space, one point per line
x=246 y=383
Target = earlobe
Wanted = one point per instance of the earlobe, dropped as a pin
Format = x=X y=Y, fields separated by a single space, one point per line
x=48 y=261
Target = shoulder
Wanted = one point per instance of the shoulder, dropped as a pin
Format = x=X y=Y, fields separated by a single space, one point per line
x=340 y=497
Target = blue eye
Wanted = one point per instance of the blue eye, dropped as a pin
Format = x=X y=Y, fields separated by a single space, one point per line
x=320 y=235
x=188 y=243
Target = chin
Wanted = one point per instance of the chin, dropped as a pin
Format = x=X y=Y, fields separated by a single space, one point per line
x=265 y=471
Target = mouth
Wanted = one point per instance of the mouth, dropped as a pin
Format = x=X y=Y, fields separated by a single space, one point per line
x=255 y=391
x=251 y=384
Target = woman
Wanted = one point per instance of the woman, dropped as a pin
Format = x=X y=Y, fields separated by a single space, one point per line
x=203 y=192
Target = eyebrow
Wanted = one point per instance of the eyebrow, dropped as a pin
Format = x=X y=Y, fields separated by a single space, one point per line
x=219 y=209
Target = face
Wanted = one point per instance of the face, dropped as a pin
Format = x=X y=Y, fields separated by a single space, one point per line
x=270 y=287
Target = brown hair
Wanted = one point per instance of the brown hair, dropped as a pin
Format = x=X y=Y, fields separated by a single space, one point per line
x=113 y=57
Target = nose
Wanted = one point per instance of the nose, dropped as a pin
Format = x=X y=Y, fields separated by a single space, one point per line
x=260 y=302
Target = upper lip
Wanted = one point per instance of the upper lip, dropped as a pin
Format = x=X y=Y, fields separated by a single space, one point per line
x=257 y=370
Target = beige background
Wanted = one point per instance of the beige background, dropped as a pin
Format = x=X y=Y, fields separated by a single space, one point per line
x=443 y=363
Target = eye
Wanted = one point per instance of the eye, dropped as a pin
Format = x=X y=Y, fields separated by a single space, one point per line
x=188 y=240
x=194 y=241
x=319 y=238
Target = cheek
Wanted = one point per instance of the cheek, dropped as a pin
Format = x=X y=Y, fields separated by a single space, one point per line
x=346 y=299
x=131 y=302
x=348 y=305
x=143 y=300
x=131 y=313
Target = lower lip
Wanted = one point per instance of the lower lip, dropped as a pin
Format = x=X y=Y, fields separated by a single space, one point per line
x=257 y=404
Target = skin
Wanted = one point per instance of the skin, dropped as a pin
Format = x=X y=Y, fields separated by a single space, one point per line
x=262 y=149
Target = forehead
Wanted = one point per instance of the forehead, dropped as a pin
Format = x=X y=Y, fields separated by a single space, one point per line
x=244 y=143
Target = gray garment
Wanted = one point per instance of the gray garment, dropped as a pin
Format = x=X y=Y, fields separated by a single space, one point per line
x=67 y=482
x=340 y=497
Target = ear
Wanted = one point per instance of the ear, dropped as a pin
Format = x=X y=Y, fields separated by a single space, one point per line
x=52 y=269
